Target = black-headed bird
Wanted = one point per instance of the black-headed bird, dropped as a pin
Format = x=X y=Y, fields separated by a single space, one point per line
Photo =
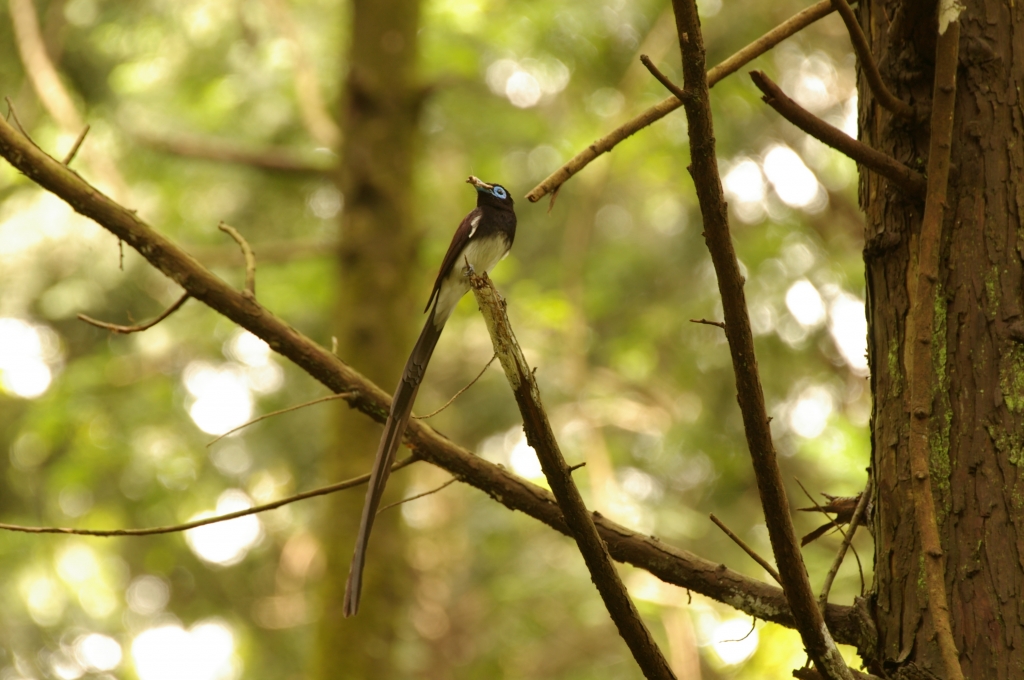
x=483 y=238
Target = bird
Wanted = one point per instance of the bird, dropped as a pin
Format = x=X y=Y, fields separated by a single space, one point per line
x=483 y=239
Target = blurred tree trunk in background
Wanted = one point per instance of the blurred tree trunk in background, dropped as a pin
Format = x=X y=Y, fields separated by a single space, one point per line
x=375 y=321
x=976 y=439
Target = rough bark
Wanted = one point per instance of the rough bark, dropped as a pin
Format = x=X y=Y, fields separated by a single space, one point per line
x=975 y=440
x=376 y=312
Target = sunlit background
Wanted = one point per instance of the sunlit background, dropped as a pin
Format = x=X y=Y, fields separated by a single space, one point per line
x=106 y=431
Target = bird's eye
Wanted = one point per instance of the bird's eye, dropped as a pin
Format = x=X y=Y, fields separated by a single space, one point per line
x=499 y=192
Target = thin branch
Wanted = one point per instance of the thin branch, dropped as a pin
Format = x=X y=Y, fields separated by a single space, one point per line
x=717 y=324
x=14 y=114
x=227 y=151
x=76 y=146
x=794 y=24
x=747 y=549
x=329 y=397
x=175 y=528
x=708 y=183
x=663 y=79
x=541 y=437
x=671 y=565
x=418 y=496
x=867 y=62
x=921 y=339
x=125 y=330
x=906 y=179
x=862 y=507
x=250 y=259
x=459 y=393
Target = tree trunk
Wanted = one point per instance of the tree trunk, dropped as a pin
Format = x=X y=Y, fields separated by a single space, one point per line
x=976 y=440
x=376 y=314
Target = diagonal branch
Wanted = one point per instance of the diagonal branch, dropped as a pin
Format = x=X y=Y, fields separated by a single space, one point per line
x=921 y=327
x=908 y=180
x=704 y=169
x=670 y=564
x=747 y=549
x=581 y=525
x=794 y=24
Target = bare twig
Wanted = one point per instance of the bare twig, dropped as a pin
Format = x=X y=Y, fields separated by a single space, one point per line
x=329 y=397
x=115 y=328
x=459 y=393
x=860 y=45
x=250 y=259
x=719 y=324
x=663 y=79
x=581 y=524
x=76 y=146
x=418 y=496
x=747 y=549
x=671 y=565
x=14 y=114
x=906 y=179
x=920 y=330
x=862 y=506
x=227 y=151
x=794 y=24
x=704 y=169
x=174 y=528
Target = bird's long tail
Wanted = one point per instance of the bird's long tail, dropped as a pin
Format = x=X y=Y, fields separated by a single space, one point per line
x=394 y=429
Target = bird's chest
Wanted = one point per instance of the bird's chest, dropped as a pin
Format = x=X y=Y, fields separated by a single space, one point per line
x=482 y=253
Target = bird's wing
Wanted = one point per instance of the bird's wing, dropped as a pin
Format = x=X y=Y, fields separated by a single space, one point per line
x=459 y=240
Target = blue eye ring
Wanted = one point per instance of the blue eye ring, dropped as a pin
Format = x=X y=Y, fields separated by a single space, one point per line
x=499 y=192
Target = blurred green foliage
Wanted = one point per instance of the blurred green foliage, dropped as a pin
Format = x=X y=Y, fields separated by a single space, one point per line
x=601 y=288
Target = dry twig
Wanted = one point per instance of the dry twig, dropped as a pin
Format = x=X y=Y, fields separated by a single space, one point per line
x=250 y=259
x=718 y=324
x=329 y=397
x=418 y=496
x=747 y=549
x=125 y=330
x=459 y=393
x=174 y=528
x=76 y=146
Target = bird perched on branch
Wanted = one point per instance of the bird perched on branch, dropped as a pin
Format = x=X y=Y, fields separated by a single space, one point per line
x=483 y=238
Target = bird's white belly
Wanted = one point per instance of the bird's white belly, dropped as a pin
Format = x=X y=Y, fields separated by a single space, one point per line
x=482 y=255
